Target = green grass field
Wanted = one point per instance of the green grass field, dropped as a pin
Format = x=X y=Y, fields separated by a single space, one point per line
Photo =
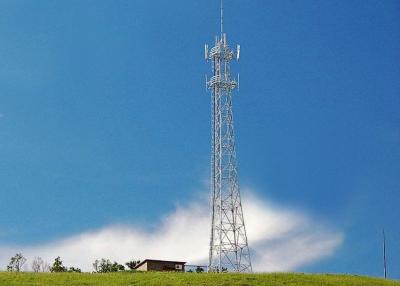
x=125 y=279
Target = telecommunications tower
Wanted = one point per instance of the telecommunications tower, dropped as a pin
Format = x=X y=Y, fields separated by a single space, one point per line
x=229 y=250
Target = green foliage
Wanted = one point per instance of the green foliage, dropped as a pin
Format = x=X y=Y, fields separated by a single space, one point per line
x=117 y=267
x=105 y=266
x=199 y=269
x=179 y=279
x=16 y=263
x=58 y=266
x=132 y=264
x=73 y=269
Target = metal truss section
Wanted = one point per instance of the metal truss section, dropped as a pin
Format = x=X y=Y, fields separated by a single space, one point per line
x=229 y=250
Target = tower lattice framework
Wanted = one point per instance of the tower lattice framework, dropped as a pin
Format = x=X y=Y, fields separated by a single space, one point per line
x=229 y=250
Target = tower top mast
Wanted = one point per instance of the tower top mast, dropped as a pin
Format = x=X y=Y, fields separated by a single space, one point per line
x=222 y=17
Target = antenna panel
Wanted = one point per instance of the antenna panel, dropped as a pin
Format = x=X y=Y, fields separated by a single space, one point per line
x=205 y=51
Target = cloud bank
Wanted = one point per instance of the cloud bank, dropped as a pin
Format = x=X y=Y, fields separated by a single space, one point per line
x=280 y=239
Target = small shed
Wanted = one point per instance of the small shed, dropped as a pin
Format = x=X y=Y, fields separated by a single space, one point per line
x=160 y=265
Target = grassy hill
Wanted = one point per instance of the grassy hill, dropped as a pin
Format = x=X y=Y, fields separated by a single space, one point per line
x=129 y=279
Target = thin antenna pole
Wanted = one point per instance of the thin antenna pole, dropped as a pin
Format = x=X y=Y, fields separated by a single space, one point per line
x=384 y=255
x=222 y=17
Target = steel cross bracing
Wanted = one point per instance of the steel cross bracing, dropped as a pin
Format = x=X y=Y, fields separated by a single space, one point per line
x=229 y=250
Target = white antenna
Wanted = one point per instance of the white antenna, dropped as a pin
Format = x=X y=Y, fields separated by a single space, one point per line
x=206 y=52
x=238 y=52
x=238 y=81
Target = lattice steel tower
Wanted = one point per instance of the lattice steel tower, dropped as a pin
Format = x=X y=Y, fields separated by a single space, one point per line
x=229 y=250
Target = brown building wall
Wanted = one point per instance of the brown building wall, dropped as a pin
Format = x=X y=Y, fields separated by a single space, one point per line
x=161 y=266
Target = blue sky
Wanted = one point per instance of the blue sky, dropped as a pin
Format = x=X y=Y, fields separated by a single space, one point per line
x=104 y=117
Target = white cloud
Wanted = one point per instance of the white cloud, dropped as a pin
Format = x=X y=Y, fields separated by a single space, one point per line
x=280 y=239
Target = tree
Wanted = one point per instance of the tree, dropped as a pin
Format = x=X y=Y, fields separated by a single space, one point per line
x=117 y=267
x=105 y=266
x=73 y=269
x=132 y=264
x=96 y=264
x=16 y=262
x=37 y=264
x=58 y=266
x=199 y=269
x=45 y=267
